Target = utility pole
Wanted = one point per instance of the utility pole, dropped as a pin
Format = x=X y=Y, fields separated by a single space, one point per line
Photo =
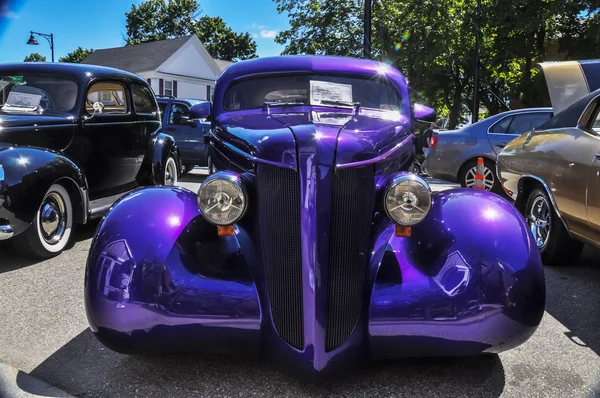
x=367 y=26
x=475 y=117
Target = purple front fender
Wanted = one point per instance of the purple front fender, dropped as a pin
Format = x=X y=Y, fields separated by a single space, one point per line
x=468 y=281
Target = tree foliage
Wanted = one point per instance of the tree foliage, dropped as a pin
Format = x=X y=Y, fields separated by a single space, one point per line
x=77 y=55
x=432 y=42
x=35 y=57
x=154 y=20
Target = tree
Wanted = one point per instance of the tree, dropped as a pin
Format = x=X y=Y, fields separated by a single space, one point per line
x=34 y=57
x=156 y=20
x=222 y=42
x=432 y=43
x=77 y=55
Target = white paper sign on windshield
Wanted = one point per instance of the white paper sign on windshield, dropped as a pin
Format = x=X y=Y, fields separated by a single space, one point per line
x=23 y=100
x=326 y=91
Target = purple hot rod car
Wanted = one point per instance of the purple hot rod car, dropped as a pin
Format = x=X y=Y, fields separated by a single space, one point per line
x=311 y=245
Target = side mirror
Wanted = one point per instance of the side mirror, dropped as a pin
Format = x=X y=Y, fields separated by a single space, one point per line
x=202 y=110
x=422 y=112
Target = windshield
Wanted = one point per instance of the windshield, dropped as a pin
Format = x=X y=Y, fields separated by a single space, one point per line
x=34 y=93
x=313 y=89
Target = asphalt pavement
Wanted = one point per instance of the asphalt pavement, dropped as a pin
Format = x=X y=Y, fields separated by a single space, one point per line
x=44 y=333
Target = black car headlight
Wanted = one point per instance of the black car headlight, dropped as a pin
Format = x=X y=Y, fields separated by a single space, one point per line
x=407 y=200
x=222 y=199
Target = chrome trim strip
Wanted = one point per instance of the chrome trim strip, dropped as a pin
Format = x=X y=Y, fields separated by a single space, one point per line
x=32 y=127
x=91 y=124
x=6 y=232
x=554 y=205
x=377 y=158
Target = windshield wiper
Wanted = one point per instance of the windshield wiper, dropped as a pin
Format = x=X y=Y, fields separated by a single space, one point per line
x=283 y=103
x=346 y=104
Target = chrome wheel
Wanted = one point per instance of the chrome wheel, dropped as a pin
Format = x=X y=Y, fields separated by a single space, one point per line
x=488 y=178
x=170 y=172
x=539 y=218
x=53 y=218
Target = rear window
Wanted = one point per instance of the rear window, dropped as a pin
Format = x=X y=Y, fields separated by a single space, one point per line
x=143 y=100
x=313 y=89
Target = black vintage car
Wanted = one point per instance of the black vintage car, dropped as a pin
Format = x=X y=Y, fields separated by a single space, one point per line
x=73 y=139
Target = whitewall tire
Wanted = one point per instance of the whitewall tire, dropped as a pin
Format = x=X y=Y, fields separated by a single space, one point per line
x=51 y=229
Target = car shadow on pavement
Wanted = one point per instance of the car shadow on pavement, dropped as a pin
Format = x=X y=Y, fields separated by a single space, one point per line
x=85 y=367
x=573 y=298
x=11 y=259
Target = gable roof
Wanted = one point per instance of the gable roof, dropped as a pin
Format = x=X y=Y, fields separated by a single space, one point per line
x=222 y=64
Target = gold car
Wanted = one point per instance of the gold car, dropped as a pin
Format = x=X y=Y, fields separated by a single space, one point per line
x=553 y=172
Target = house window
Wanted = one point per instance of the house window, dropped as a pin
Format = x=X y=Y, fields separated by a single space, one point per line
x=168 y=88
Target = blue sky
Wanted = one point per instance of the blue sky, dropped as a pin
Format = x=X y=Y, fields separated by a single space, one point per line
x=101 y=24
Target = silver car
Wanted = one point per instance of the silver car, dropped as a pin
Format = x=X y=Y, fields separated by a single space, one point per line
x=453 y=154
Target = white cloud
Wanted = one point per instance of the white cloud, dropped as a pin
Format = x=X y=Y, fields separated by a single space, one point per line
x=255 y=35
x=268 y=34
x=257 y=26
x=10 y=15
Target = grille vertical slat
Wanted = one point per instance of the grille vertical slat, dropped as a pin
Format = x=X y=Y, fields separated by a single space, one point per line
x=279 y=206
x=351 y=211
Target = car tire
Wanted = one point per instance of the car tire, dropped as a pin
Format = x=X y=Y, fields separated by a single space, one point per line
x=552 y=238
x=211 y=166
x=187 y=168
x=466 y=176
x=170 y=173
x=51 y=229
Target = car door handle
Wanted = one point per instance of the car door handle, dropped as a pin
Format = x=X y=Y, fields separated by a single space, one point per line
x=501 y=145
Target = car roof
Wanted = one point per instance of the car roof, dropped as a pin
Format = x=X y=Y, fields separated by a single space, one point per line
x=80 y=72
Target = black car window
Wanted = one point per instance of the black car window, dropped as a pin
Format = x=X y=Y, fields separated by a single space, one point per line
x=106 y=98
x=143 y=100
x=178 y=113
x=528 y=121
x=501 y=127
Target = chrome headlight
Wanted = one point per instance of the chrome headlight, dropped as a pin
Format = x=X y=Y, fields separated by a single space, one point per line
x=407 y=200
x=222 y=199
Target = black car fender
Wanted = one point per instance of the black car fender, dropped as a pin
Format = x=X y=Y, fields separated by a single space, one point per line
x=163 y=147
x=28 y=174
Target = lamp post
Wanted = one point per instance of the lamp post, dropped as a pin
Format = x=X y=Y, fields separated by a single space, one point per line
x=367 y=26
x=475 y=118
x=50 y=37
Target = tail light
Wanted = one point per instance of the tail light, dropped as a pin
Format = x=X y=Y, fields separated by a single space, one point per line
x=433 y=142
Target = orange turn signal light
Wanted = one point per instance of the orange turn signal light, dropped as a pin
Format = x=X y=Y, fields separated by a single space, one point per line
x=403 y=231
x=225 y=230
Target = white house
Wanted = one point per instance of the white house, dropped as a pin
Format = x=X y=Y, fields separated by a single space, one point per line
x=179 y=67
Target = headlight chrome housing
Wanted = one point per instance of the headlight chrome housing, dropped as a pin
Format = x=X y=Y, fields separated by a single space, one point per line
x=222 y=199
x=407 y=200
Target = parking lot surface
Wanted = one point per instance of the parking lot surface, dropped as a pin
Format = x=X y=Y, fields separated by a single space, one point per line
x=44 y=332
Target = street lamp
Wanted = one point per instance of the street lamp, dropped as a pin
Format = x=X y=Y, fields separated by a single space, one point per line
x=367 y=26
x=50 y=37
x=475 y=118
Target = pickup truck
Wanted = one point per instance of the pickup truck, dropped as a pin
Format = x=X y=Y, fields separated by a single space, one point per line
x=189 y=134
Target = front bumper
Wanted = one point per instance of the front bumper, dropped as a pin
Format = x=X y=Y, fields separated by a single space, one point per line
x=468 y=281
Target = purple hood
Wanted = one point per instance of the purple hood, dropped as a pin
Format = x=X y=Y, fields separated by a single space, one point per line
x=274 y=137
